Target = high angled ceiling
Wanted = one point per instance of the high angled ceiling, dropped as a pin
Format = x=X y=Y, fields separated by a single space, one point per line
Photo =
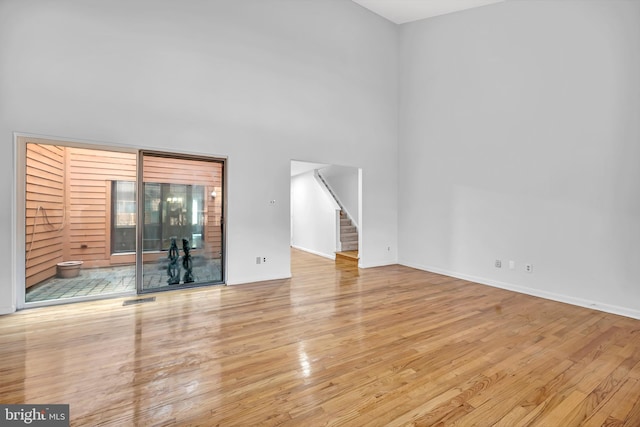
x=402 y=11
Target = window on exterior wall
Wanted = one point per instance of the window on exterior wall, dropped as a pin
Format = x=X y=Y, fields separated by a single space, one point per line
x=170 y=210
x=123 y=227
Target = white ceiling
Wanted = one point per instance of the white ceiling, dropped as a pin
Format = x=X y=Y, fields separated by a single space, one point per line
x=402 y=11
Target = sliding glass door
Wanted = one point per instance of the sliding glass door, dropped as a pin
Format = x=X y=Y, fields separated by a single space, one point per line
x=102 y=222
x=181 y=216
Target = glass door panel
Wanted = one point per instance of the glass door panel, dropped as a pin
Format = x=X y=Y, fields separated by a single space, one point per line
x=80 y=221
x=182 y=233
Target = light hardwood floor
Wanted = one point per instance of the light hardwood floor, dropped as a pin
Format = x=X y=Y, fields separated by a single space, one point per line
x=334 y=345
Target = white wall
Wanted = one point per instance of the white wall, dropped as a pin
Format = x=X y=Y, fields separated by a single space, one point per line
x=520 y=140
x=519 y=134
x=261 y=82
x=313 y=216
x=344 y=183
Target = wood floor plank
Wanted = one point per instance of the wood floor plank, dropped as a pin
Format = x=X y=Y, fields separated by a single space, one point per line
x=333 y=345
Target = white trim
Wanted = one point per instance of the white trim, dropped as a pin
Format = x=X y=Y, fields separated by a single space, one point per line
x=338 y=231
x=114 y=146
x=18 y=220
x=7 y=309
x=18 y=214
x=256 y=280
x=607 y=308
x=72 y=300
x=311 y=251
x=361 y=251
x=374 y=263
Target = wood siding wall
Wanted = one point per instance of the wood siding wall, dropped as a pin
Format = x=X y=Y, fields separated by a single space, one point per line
x=195 y=172
x=68 y=198
x=44 y=211
x=91 y=173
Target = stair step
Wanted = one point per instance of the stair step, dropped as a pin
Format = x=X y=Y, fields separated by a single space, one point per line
x=348 y=229
x=344 y=221
x=350 y=246
x=349 y=237
x=350 y=256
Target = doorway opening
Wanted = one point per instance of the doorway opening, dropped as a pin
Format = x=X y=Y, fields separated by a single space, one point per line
x=102 y=222
x=326 y=210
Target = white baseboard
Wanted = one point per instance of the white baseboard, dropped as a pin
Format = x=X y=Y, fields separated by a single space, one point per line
x=595 y=305
x=7 y=309
x=374 y=263
x=311 y=251
x=245 y=280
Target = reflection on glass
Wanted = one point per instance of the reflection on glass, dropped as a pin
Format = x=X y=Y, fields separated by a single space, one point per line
x=85 y=210
x=182 y=231
x=124 y=216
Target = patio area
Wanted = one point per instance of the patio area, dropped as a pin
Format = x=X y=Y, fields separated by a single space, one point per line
x=81 y=207
x=112 y=280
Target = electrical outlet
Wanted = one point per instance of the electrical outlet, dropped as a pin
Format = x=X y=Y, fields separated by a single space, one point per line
x=264 y=259
x=498 y=263
x=512 y=265
x=528 y=268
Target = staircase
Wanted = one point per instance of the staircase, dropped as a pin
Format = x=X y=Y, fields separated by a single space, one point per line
x=348 y=234
x=348 y=241
x=348 y=231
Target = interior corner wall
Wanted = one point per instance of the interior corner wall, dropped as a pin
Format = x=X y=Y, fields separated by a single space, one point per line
x=519 y=140
x=259 y=82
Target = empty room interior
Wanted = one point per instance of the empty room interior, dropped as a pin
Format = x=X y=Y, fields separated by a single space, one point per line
x=320 y=212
